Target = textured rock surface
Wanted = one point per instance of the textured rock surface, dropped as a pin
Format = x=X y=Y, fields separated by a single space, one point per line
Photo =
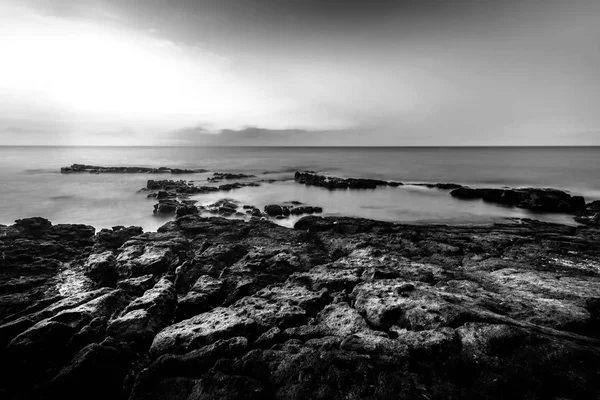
x=338 y=308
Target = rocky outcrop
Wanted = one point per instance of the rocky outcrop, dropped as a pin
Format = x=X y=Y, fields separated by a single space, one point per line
x=217 y=176
x=590 y=215
x=330 y=182
x=275 y=210
x=336 y=308
x=544 y=200
x=93 y=169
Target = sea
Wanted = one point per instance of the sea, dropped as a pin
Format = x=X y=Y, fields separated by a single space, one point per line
x=31 y=183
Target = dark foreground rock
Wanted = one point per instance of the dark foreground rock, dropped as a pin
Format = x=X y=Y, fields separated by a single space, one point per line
x=330 y=182
x=338 y=308
x=93 y=169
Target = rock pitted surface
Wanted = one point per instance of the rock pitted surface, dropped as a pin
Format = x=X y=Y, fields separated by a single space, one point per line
x=338 y=308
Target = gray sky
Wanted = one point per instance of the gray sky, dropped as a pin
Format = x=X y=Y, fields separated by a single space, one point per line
x=330 y=72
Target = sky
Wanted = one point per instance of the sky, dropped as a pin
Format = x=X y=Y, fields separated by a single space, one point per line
x=300 y=72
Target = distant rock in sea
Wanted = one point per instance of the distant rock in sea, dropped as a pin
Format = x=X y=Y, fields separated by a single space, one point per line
x=92 y=169
x=331 y=182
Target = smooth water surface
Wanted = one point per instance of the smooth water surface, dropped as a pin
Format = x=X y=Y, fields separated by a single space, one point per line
x=31 y=183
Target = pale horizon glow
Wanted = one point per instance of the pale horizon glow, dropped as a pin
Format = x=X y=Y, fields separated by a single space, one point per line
x=96 y=73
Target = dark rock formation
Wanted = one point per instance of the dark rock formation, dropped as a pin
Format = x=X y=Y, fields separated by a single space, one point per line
x=177 y=187
x=275 y=210
x=443 y=186
x=337 y=308
x=330 y=182
x=306 y=210
x=544 y=200
x=590 y=215
x=219 y=176
x=126 y=170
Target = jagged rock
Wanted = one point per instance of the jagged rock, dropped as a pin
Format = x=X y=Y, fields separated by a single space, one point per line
x=137 y=286
x=115 y=237
x=185 y=209
x=201 y=296
x=279 y=305
x=142 y=260
x=139 y=322
x=167 y=207
x=101 y=268
x=201 y=330
x=338 y=308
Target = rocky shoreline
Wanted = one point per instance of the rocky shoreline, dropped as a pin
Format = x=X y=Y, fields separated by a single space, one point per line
x=335 y=308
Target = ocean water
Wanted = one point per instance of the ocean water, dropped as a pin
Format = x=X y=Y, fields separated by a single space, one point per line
x=31 y=183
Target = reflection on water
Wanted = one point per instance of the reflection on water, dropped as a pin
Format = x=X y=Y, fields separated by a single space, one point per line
x=31 y=184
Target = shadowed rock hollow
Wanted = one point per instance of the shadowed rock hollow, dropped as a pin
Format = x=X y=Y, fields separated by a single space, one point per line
x=338 y=308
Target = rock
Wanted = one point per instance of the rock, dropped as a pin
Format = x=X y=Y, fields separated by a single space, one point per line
x=137 y=286
x=279 y=305
x=143 y=259
x=101 y=268
x=201 y=330
x=184 y=209
x=126 y=170
x=115 y=237
x=166 y=207
x=139 y=322
x=305 y=210
x=545 y=200
x=273 y=210
x=466 y=193
x=203 y=295
x=80 y=377
x=311 y=179
x=218 y=175
x=338 y=308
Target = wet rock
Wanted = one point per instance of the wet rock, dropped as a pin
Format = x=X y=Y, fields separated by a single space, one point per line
x=305 y=210
x=545 y=200
x=219 y=175
x=168 y=207
x=185 y=209
x=329 y=182
x=274 y=210
x=126 y=170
